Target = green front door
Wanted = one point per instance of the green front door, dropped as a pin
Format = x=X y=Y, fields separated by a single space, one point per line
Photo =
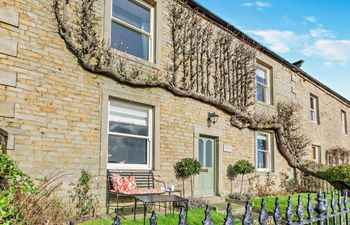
x=206 y=157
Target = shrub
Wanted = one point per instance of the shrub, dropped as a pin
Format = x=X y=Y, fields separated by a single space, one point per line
x=195 y=203
x=13 y=185
x=243 y=167
x=267 y=189
x=85 y=200
x=242 y=197
x=339 y=176
x=22 y=202
x=187 y=168
x=46 y=207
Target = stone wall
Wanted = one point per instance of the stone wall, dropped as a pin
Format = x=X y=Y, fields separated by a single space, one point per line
x=55 y=112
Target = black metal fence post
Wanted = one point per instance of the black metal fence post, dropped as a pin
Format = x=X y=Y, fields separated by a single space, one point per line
x=248 y=216
x=289 y=211
x=153 y=220
x=183 y=217
x=346 y=207
x=208 y=220
x=320 y=208
x=229 y=219
x=263 y=217
x=300 y=210
x=277 y=214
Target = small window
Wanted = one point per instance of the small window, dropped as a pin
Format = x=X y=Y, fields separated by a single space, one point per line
x=132 y=28
x=263 y=85
x=344 y=122
x=314 y=109
x=263 y=151
x=316 y=153
x=130 y=136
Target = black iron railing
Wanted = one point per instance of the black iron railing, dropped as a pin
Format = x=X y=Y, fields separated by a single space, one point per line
x=323 y=212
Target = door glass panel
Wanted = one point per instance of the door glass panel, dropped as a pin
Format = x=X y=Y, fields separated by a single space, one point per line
x=200 y=153
x=209 y=154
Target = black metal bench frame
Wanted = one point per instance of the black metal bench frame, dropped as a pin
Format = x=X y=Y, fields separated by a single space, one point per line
x=143 y=179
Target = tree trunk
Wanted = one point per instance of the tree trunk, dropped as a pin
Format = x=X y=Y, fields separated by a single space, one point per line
x=191 y=186
x=183 y=187
x=240 y=192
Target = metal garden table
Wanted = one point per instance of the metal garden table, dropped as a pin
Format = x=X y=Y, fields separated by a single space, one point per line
x=150 y=199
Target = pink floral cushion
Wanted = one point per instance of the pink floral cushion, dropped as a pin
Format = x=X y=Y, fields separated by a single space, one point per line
x=142 y=191
x=123 y=184
x=117 y=182
x=127 y=185
x=145 y=191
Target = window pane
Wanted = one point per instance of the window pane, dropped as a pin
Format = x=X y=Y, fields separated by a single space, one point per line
x=262 y=160
x=260 y=93
x=262 y=143
x=343 y=122
x=127 y=150
x=128 y=119
x=200 y=152
x=129 y=41
x=126 y=128
x=261 y=75
x=314 y=153
x=312 y=103
x=132 y=13
x=209 y=154
x=313 y=115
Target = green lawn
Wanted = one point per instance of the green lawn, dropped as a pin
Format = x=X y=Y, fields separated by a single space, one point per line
x=195 y=217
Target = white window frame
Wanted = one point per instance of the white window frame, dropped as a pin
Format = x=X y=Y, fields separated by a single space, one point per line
x=344 y=124
x=317 y=154
x=149 y=164
x=269 y=151
x=314 y=111
x=138 y=30
x=265 y=86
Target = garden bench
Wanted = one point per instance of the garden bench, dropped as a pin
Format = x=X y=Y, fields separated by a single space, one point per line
x=140 y=183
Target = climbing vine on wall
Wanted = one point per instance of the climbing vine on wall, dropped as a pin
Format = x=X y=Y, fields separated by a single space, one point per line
x=207 y=63
x=209 y=60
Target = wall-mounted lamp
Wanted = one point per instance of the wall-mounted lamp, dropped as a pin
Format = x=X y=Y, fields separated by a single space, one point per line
x=212 y=118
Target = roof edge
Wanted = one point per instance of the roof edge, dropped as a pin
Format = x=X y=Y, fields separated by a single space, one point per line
x=240 y=34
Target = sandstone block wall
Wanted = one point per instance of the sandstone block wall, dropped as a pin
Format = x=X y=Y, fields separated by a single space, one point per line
x=55 y=111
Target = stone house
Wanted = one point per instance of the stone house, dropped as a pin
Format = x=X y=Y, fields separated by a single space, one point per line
x=56 y=115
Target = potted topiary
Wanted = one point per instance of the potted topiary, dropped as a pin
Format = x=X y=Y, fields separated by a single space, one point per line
x=187 y=168
x=231 y=174
x=243 y=167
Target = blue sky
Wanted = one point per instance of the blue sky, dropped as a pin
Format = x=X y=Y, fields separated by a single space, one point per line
x=317 y=31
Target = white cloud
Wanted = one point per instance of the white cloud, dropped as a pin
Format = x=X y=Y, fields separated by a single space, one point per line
x=310 y=19
x=320 y=32
x=328 y=63
x=278 y=40
x=330 y=50
x=248 y=4
x=262 y=4
x=257 y=4
x=318 y=43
